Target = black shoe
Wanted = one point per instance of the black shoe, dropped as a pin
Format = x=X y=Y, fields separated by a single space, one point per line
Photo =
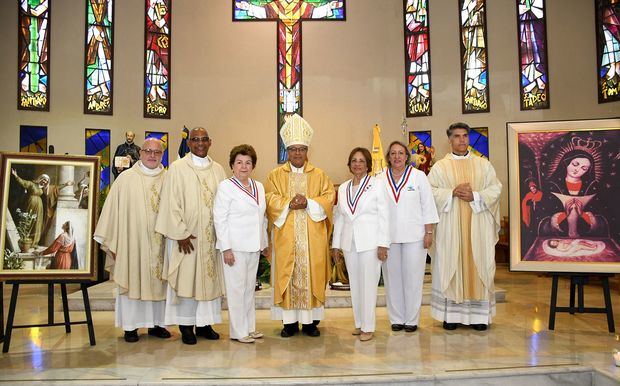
x=316 y=322
x=131 y=336
x=187 y=334
x=207 y=332
x=289 y=330
x=410 y=328
x=159 y=332
x=310 y=330
x=449 y=326
x=479 y=327
x=397 y=327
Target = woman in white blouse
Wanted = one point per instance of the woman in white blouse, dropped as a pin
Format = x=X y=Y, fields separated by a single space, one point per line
x=241 y=228
x=361 y=230
x=412 y=216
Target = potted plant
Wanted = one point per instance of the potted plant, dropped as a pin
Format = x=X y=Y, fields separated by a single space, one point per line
x=12 y=260
x=25 y=223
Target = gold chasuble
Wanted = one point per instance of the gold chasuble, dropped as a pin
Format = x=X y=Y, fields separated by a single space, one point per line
x=186 y=209
x=300 y=245
x=465 y=239
x=126 y=228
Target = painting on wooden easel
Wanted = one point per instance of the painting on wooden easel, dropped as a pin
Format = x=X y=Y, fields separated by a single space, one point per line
x=564 y=187
x=49 y=207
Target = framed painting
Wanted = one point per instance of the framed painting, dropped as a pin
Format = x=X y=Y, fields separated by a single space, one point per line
x=49 y=207
x=563 y=180
x=422 y=151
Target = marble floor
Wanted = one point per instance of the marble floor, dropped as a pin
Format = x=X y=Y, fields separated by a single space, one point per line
x=518 y=344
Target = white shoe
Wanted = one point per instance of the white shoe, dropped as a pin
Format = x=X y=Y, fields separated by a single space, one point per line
x=247 y=339
x=256 y=334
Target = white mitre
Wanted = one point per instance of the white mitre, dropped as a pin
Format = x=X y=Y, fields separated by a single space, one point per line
x=296 y=131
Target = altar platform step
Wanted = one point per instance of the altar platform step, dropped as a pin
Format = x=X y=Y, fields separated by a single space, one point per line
x=102 y=297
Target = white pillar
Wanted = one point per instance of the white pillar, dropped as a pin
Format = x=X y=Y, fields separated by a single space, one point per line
x=66 y=196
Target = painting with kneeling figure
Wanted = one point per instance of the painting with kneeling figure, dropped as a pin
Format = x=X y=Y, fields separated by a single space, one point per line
x=563 y=186
x=49 y=204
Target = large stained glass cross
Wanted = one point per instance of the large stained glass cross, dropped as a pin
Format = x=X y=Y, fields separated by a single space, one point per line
x=289 y=14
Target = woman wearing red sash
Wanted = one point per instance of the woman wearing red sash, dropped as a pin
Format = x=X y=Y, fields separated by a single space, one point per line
x=412 y=216
x=241 y=229
x=361 y=230
x=63 y=248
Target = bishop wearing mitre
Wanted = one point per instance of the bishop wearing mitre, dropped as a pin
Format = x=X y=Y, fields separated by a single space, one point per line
x=299 y=198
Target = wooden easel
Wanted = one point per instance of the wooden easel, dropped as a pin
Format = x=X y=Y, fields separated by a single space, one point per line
x=577 y=281
x=1 y=311
x=50 y=309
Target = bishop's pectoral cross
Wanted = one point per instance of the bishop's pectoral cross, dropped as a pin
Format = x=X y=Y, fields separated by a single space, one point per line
x=289 y=15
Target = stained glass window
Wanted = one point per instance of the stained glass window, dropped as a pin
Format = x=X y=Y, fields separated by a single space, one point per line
x=163 y=137
x=417 y=58
x=474 y=63
x=289 y=16
x=97 y=142
x=33 y=139
x=98 y=60
x=419 y=137
x=33 y=48
x=534 y=77
x=608 y=49
x=157 y=59
x=479 y=141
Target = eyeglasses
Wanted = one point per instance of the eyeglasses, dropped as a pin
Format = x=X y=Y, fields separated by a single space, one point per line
x=297 y=149
x=151 y=152
x=200 y=139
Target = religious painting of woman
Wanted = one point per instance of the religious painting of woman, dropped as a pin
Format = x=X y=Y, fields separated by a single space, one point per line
x=574 y=175
x=49 y=209
x=63 y=248
x=566 y=183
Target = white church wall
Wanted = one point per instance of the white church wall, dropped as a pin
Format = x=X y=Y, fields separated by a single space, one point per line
x=224 y=78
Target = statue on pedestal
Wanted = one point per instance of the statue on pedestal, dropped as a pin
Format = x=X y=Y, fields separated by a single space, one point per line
x=129 y=150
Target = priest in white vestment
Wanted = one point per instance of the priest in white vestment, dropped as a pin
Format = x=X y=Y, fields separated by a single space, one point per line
x=134 y=251
x=467 y=194
x=192 y=266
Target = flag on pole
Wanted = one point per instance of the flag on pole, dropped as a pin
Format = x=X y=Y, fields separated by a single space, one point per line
x=183 y=148
x=378 y=158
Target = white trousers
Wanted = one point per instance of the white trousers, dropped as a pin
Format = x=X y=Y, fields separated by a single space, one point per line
x=364 y=270
x=132 y=313
x=240 y=280
x=191 y=312
x=403 y=276
x=297 y=316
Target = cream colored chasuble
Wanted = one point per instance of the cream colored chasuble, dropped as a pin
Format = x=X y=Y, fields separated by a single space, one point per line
x=186 y=209
x=126 y=228
x=467 y=232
